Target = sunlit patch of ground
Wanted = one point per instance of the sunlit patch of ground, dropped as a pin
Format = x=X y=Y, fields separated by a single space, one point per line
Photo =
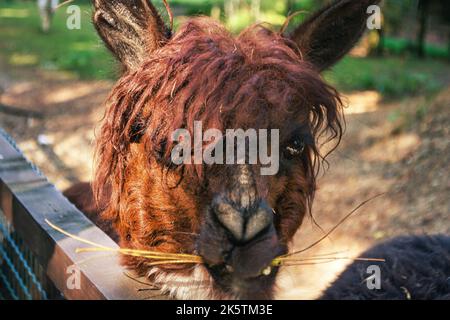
x=308 y=280
x=362 y=102
x=17 y=59
x=14 y=13
x=394 y=149
x=379 y=154
x=60 y=143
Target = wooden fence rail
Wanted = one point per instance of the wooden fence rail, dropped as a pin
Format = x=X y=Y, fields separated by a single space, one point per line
x=27 y=199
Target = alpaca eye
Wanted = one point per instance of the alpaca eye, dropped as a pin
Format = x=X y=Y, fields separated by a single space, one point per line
x=294 y=149
x=160 y=154
x=160 y=150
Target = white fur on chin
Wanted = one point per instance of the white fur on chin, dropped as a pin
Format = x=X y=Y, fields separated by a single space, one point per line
x=198 y=285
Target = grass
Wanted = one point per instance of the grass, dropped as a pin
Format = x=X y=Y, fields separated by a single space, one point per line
x=23 y=44
x=192 y=7
x=405 y=46
x=391 y=76
x=81 y=51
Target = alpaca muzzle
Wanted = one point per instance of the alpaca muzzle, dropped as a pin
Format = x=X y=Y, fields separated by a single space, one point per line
x=238 y=245
x=240 y=210
x=242 y=224
x=238 y=240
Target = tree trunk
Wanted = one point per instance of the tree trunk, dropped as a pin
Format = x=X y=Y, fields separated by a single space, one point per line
x=256 y=10
x=231 y=6
x=424 y=6
x=448 y=49
x=380 y=46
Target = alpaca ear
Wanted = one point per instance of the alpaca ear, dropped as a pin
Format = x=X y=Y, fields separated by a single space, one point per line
x=131 y=29
x=331 y=32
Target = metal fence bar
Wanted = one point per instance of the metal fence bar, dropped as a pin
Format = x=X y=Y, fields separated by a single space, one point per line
x=24 y=260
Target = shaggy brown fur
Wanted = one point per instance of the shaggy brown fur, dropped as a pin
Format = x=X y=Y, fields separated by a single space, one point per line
x=259 y=79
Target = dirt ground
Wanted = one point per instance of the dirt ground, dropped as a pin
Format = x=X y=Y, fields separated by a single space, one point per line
x=386 y=149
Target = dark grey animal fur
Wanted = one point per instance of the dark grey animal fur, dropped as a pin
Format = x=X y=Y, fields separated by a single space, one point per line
x=416 y=267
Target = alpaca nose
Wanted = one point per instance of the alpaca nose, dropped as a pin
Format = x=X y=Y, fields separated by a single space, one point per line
x=242 y=223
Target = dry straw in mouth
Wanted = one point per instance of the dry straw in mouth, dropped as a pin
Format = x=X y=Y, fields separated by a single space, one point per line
x=161 y=258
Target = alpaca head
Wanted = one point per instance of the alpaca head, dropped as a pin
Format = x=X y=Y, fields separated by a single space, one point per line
x=232 y=215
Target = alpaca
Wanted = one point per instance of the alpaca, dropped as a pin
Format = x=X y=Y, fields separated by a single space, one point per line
x=235 y=218
x=416 y=267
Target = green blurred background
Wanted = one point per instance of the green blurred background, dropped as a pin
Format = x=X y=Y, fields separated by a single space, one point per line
x=409 y=56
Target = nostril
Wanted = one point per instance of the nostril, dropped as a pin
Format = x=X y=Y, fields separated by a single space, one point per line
x=230 y=218
x=258 y=222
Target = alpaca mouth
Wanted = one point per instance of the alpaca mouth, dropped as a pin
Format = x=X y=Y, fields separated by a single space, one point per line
x=257 y=287
x=238 y=241
x=244 y=270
